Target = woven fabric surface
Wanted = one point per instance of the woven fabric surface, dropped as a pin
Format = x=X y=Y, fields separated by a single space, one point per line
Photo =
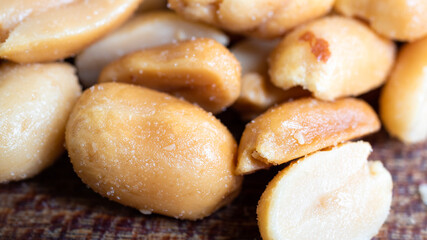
x=57 y=205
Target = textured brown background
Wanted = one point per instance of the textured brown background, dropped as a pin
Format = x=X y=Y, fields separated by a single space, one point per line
x=57 y=205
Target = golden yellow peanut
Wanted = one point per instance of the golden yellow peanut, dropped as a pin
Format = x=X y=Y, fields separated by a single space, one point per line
x=257 y=93
x=65 y=31
x=202 y=71
x=35 y=102
x=332 y=58
x=150 y=5
x=293 y=14
x=403 y=102
x=260 y=18
x=233 y=15
x=402 y=20
x=151 y=151
x=15 y=11
x=143 y=31
x=297 y=128
x=330 y=194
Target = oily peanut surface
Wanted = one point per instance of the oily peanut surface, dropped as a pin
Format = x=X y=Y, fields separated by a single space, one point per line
x=143 y=31
x=297 y=128
x=257 y=92
x=13 y=12
x=403 y=105
x=260 y=18
x=331 y=194
x=202 y=71
x=66 y=30
x=322 y=58
x=35 y=101
x=151 y=151
x=402 y=20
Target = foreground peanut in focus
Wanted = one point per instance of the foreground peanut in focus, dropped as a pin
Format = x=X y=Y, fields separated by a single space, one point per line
x=151 y=151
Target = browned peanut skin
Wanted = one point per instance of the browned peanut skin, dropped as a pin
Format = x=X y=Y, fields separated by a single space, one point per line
x=151 y=5
x=257 y=93
x=13 y=12
x=293 y=14
x=402 y=20
x=35 y=102
x=297 y=128
x=143 y=31
x=202 y=71
x=332 y=58
x=403 y=102
x=333 y=194
x=151 y=151
x=260 y=18
x=65 y=31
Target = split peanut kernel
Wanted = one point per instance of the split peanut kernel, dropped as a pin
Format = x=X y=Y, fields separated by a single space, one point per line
x=65 y=31
x=330 y=194
x=297 y=128
x=332 y=58
x=202 y=71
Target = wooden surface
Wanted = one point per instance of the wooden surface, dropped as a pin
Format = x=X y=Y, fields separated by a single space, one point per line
x=57 y=205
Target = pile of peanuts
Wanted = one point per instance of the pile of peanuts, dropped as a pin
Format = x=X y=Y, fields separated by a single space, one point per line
x=143 y=132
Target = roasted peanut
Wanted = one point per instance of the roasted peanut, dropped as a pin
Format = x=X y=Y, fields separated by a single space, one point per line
x=144 y=31
x=65 y=31
x=150 y=5
x=201 y=71
x=151 y=151
x=332 y=58
x=402 y=20
x=330 y=194
x=403 y=102
x=35 y=101
x=297 y=128
x=257 y=93
x=260 y=18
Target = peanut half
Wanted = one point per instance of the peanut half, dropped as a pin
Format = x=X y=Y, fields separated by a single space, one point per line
x=332 y=58
x=151 y=151
x=297 y=128
x=65 y=31
x=403 y=102
x=202 y=71
x=331 y=194
x=35 y=102
x=143 y=31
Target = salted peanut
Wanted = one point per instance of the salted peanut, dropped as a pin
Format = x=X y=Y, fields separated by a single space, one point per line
x=331 y=194
x=202 y=71
x=13 y=12
x=35 y=102
x=151 y=151
x=150 y=5
x=402 y=20
x=332 y=58
x=233 y=15
x=144 y=31
x=260 y=18
x=297 y=128
x=66 y=30
x=291 y=15
x=403 y=105
x=257 y=93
